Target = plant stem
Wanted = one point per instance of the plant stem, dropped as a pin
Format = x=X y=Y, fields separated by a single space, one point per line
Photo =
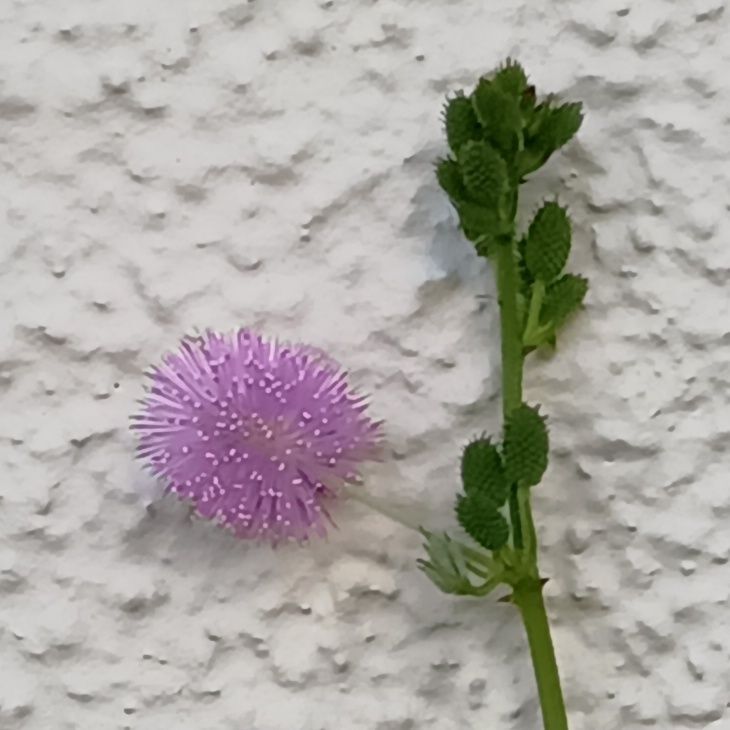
x=484 y=564
x=532 y=607
x=511 y=329
x=511 y=357
x=528 y=594
x=383 y=508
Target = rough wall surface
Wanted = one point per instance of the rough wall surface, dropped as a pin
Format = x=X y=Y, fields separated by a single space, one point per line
x=171 y=165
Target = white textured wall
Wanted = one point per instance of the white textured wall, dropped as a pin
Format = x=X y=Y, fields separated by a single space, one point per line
x=171 y=165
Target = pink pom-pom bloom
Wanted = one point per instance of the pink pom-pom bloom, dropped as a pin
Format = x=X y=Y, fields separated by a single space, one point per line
x=256 y=434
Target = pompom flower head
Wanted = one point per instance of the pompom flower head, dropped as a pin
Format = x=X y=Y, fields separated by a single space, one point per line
x=257 y=435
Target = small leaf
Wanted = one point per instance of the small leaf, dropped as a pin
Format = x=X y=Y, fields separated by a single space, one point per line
x=499 y=114
x=548 y=242
x=562 y=298
x=449 y=178
x=482 y=471
x=525 y=447
x=484 y=173
x=460 y=122
x=482 y=521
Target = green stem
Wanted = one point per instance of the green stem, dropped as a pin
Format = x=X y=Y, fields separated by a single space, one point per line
x=511 y=328
x=528 y=593
x=512 y=358
x=398 y=515
x=383 y=508
x=532 y=607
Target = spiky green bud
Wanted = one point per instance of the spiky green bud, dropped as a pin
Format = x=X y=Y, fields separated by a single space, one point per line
x=548 y=242
x=511 y=79
x=479 y=224
x=482 y=521
x=482 y=471
x=460 y=122
x=528 y=101
x=547 y=129
x=499 y=115
x=484 y=173
x=561 y=125
x=448 y=175
x=562 y=298
x=525 y=448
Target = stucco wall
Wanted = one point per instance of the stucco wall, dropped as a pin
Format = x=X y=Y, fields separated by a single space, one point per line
x=171 y=165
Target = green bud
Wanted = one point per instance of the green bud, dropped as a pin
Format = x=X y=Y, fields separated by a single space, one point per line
x=548 y=242
x=528 y=101
x=449 y=177
x=548 y=128
x=482 y=471
x=460 y=122
x=484 y=173
x=561 y=125
x=482 y=521
x=525 y=447
x=562 y=298
x=511 y=79
x=499 y=114
x=480 y=224
x=537 y=118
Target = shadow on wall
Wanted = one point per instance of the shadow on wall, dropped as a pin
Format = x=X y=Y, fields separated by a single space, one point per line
x=433 y=219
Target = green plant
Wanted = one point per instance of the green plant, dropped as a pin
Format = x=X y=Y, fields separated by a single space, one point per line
x=498 y=135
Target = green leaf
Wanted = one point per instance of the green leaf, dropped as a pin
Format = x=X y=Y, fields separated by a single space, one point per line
x=548 y=242
x=499 y=114
x=482 y=471
x=525 y=447
x=482 y=521
x=484 y=173
x=511 y=79
x=448 y=175
x=460 y=122
x=562 y=298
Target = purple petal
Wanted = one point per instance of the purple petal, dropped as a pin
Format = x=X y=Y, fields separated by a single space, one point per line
x=256 y=434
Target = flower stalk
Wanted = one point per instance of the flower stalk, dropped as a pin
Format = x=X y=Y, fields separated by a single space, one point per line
x=529 y=600
x=527 y=596
x=498 y=135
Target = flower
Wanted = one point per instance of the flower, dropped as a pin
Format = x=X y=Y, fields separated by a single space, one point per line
x=258 y=435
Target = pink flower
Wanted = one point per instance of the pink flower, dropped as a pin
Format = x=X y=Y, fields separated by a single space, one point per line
x=256 y=434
